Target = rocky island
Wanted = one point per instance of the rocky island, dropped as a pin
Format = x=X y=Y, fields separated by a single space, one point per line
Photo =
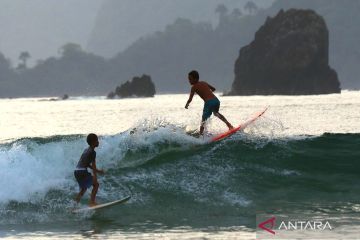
x=138 y=86
x=289 y=56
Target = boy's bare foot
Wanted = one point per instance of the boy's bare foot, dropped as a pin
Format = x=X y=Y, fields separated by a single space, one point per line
x=230 y=126
x=92 y=204
x=77 y=199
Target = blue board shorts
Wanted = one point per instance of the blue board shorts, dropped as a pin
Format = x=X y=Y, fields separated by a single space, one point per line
x=84 y=178
x=210 y=106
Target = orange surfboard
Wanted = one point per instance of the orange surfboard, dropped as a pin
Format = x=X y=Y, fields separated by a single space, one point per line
x=240 y=127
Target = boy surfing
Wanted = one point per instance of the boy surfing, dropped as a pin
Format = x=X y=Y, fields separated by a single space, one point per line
x=83 y=177
x=212 y=103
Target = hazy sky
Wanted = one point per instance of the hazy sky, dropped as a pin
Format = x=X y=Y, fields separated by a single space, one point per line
x=121 y=22
x=42 y=26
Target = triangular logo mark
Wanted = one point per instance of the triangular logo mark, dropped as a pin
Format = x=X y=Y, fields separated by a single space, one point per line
x=271 y=222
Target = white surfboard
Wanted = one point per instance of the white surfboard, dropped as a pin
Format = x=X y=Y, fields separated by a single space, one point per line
x=101 y=206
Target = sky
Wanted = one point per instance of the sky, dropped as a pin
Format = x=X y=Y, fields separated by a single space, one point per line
x=121 y=22
x=41 y=27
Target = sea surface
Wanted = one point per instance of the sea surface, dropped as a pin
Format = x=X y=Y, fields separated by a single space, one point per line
x=302 y=156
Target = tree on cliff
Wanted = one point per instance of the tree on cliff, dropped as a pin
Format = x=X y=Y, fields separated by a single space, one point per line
x=221 y=9
x=251 y=7
x=70 y=49
x=6 y=72
x=23 y=57
x=236 y=13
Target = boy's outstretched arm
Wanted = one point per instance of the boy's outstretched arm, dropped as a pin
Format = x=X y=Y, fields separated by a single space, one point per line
x=190 y=98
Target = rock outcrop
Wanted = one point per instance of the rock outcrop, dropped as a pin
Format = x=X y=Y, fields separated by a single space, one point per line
x=289 y=56
x=139 y=87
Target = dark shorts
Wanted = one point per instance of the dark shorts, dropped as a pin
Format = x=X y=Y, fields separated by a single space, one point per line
x=210 y=106
x=84 y=178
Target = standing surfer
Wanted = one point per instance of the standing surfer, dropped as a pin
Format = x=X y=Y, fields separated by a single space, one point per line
x=83 y=177
x=212 y=103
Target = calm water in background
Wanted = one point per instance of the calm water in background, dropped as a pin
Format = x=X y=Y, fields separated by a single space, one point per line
x=180 y=187
x=300 y=115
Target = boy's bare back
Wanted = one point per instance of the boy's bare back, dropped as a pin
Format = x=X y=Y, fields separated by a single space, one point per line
x=204 y=90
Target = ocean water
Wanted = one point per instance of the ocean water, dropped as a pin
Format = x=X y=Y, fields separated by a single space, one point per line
x=302 y=156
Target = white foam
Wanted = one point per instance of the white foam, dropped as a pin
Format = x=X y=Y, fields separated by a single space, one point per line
x=28 y=170
x=235 y=200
